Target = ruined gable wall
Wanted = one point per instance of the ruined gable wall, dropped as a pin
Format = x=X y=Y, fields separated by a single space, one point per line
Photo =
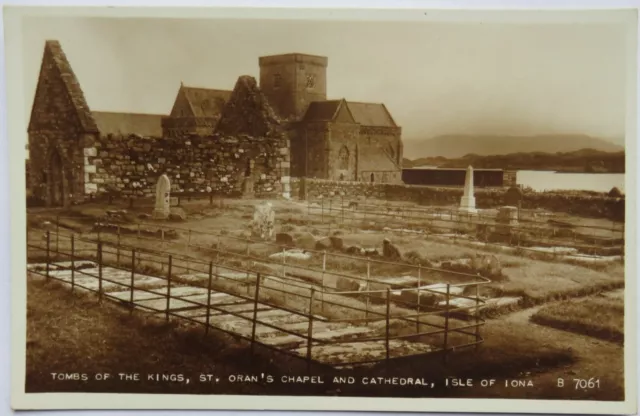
x=55 y=127
x=130 y=166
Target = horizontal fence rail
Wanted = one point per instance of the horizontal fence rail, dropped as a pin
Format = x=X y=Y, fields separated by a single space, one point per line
x=256 y=289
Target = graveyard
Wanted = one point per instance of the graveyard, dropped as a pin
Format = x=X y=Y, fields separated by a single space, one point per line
x=346 y=283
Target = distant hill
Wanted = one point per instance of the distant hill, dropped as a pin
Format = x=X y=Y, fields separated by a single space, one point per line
x=454 y=146
x=583 y=160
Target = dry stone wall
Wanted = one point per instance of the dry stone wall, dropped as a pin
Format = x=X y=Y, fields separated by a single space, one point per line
x=578 y=203
x=130 y=166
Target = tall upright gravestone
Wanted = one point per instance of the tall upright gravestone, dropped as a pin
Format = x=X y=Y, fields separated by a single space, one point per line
x=468 y=200
x=163 y=198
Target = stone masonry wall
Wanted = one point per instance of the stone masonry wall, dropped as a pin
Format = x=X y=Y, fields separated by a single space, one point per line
x=587 y=204
x=130 y=166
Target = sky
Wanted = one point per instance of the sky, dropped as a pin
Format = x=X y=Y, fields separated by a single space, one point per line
x=435 y=78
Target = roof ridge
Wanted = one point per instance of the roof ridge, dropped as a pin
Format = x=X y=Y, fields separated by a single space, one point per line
x=204 y=88
x=364 y=102
x=128 y=112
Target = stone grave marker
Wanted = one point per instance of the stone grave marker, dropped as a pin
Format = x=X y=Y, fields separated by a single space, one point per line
x=513 y=197
x=390 y=251
x=163 y=198
x=506 y=220
x=263 y=221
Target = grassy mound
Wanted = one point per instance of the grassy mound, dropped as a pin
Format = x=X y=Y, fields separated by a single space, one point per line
x=598 y=317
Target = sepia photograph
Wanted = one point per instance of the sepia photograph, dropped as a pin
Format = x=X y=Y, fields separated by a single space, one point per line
x=324 y=206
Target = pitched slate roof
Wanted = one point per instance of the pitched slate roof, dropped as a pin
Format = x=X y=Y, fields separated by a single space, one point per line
x=366 y=114
x=53 y=54
x=149 y=125
x=206 y=102
x=322 y=110
x=371 y=114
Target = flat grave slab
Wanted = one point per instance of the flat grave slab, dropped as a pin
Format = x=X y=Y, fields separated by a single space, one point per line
x=138 y=295
x=362 y=351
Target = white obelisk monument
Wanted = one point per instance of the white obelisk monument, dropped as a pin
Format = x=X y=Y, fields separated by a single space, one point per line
x=468 y=201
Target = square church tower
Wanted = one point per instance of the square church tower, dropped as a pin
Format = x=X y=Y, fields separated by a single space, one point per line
x=292 y=81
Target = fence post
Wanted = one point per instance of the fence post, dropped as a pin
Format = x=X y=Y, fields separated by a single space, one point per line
x=57 y=235
x=284 y=263
x=367 y=303
x=386 y=340
x=118 y=248
x=255 y=314
x=478 y=280
x=48 y=254
x=342 y=207
x=206 y=328
x=100 y=271
x=322 y=211
x=418 y=296
x=133 y=277
x=310 y=329
x=73 y=262
x=446 y=322
x=218 y=257
x=324 y=268
x=168 y=289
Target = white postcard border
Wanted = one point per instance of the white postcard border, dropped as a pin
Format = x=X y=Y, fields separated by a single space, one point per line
x=16 y=125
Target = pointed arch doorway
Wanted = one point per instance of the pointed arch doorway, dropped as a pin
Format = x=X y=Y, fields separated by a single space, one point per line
x=55 y=181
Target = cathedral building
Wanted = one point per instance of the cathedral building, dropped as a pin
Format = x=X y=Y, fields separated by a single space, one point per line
x=330 y=139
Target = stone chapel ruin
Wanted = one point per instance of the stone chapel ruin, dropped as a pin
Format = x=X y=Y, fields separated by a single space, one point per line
x=247 y=141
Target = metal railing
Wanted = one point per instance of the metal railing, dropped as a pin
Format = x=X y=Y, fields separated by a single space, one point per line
x=589 y=239
x=445 y=336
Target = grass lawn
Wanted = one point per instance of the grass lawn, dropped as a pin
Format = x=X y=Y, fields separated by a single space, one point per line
x=599 y=317
x=536 y=280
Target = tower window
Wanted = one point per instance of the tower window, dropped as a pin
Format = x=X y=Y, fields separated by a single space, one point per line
x=277 y=80
x=311 y=81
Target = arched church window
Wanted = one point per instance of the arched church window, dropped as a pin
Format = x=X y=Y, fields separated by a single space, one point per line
x=343 y=158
